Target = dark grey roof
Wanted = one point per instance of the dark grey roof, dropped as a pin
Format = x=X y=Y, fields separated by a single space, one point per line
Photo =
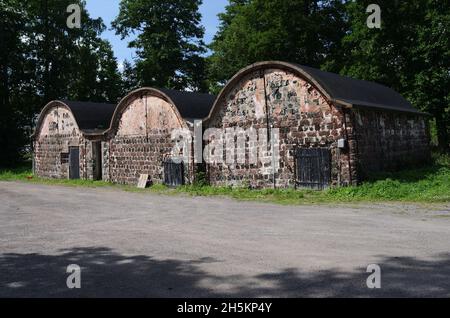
x=359 y=92
x=91 y=117
x=190 y=105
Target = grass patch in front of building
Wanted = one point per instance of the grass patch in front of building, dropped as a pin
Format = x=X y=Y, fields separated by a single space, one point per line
x=425 y=184
x=25 y=174
x=430 y=184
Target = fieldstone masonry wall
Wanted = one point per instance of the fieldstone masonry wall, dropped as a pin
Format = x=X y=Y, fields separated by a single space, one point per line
x=262 y=102
x=58 y=132
x=303 y=116
x=389 y=140
x=86 y=160
x=135 y=155
x=376 y=140
x=106 y=146
x=142 y=141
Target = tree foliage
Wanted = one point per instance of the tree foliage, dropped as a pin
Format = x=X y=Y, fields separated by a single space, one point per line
x=301 y=31
x=410 y=53
x=13 y=73
x=41 y=59
x=168 y=41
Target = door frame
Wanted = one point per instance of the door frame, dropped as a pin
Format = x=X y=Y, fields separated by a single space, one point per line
x=74 y=175
x=97 y=169
x=169 y=179
x=320 y=167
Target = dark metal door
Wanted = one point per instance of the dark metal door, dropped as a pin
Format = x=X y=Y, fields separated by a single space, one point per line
x=173 y=173
x=313 y=168
x=74 y=163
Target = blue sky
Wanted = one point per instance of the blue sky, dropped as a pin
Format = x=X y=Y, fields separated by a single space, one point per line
x=108 y=10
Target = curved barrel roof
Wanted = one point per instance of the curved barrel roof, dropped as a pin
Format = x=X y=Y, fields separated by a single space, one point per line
x=190 y=105
x=91 y=118
x=358 y=92
x=96 y=118
x=336 y=88
x=187 y=105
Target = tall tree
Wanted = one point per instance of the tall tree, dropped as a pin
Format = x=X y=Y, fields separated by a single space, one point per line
x=109 y=80
x=302 y=31
x=68 y=61
x=431 y=85
x=410 y=53
x=129 y=77
x=12 y=66
x=169 y=41
x=97 y=79
x=42 y=59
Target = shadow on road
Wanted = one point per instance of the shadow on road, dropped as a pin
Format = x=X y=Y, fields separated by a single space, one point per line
x=109 y=274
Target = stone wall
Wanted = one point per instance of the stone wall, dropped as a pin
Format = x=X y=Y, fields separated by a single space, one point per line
x=89 y=159
x=389 y=140
x=142 y=141
x=302 y=115
x=262 y=102
x=135 y=155
x=57 y=133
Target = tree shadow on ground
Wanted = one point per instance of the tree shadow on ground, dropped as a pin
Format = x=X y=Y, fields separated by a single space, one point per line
x=109 y=274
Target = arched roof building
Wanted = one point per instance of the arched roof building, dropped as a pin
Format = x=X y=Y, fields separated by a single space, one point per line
x=331 y=129
x=66 y=139
x=140 y=138
x=115 y=142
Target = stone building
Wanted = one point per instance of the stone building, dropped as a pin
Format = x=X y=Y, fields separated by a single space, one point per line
x=67 y=140
x=140 y=141
x=325 y=129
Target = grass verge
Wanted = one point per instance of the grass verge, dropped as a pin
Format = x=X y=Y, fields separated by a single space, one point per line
x=429 y=184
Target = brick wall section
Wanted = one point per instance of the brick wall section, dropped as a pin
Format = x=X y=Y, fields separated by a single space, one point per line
x=141 y=142
x=389 y=140
x=304 y=117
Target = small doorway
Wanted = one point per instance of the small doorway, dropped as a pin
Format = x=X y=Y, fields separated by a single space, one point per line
x=74 y=163
x=173 y=173
x=313 y=168
x=97 y=160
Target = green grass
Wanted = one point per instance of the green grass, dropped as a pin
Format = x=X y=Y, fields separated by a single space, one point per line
x=24 y=174
x=429 y=184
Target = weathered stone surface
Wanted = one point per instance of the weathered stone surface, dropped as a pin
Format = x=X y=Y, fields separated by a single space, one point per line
x=268 y=102
x=142 y=141
x=303 y=117
x=57 y=133
x=376 y=140
x=388 y=141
